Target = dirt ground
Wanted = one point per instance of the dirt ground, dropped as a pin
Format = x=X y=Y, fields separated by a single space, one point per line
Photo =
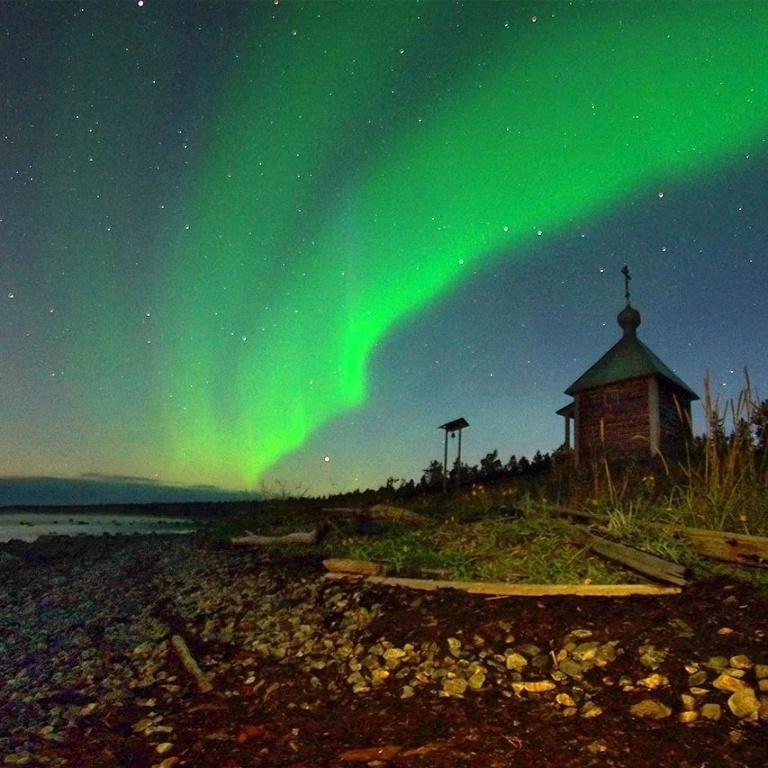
x=301 y=718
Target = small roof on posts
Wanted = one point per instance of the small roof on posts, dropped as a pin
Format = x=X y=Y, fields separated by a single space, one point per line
x=453 y=426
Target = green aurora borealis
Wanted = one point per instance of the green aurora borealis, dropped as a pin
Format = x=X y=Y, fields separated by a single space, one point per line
x=246 y=242
x=322 y=216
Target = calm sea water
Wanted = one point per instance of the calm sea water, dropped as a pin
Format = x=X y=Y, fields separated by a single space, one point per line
x=28 y=526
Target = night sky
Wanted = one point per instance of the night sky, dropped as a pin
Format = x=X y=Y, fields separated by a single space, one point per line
x=277 y=244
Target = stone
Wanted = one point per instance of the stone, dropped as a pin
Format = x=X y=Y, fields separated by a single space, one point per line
x=744 y=704
x=683 y=628
x=393 y=655
x=89 y=709
x=711 y=711
x=597 y=746
x=726 y=682
x=585 y=651
x=651 y=709
x=534 y=686
x=477 y=679
x=741 y=662
x=606 y=653
x=689 y=716
x=572 y=668
x=143 y=724
x=654 y=681
x=697 y=678
x=454 y=646
x=454 y=686
x=651 y=657
x=378 y=676
x=565 y=700
x=164 y=747
x=516 y=661
x=688 y=701
x=590 y=709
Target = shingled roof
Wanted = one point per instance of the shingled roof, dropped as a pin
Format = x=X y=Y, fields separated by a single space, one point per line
x=628 y=358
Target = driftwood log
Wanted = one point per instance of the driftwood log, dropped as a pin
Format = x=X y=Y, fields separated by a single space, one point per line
x=309 y=537
x=727 y=546
x=641 y=562
x=380 y=512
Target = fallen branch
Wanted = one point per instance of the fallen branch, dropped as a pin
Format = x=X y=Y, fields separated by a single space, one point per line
x=203 y=683
x=642 y=562
x=503 y=589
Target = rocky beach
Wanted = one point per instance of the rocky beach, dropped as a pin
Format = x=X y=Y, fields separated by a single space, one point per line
x=176 y=651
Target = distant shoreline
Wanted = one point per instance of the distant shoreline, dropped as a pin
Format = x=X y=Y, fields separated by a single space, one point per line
x=28 y=525
x=193 y=510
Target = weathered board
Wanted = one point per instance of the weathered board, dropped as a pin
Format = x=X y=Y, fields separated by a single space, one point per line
x=642 y=562
x=502 y=589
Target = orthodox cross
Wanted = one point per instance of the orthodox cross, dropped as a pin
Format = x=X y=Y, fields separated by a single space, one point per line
x=627 y=278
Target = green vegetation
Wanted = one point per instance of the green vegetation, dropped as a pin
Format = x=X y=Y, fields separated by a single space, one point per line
x=506 y=524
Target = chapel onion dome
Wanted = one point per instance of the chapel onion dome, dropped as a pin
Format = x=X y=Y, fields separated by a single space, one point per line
x=629 y=319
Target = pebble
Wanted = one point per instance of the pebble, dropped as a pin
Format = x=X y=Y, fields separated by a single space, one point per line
x=455 y=686
x=744 y=704
x=726 y=682
x=516 y=661
x=711 y=711
x=651 y=710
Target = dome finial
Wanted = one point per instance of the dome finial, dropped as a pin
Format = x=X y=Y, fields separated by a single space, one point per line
x=629 y=317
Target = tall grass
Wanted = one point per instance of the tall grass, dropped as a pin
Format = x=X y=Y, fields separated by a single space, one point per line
x=725 y=476
x=721 y=482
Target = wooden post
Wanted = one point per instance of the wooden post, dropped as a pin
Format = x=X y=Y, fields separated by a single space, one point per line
x=458 y=463
x=445 y=464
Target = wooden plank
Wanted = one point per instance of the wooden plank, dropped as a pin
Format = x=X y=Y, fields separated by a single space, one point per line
x=503 y=589
x=642 y=562
x=344 y=565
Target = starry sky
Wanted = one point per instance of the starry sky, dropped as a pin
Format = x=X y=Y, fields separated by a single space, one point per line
x=277 y=244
